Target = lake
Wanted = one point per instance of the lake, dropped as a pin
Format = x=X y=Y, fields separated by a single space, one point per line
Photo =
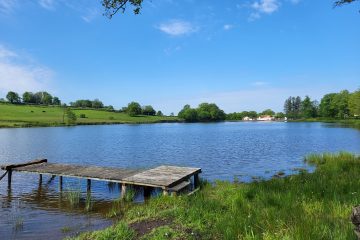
x=225 y=151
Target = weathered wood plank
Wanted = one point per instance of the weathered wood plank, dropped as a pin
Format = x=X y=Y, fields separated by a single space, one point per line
x=163 y=177
x=12 y=166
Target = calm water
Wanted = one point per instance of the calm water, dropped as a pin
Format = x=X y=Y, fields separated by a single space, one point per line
x=223 y=150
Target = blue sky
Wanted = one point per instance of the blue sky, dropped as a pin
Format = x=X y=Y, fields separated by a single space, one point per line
x=240 y=54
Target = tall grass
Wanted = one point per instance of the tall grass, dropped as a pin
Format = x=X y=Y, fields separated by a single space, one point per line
x=304 y=206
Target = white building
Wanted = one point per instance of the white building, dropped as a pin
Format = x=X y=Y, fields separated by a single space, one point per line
x=266 y=118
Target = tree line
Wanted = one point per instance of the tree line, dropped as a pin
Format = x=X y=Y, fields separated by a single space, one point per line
x=38 y=98
x=341 y=105
x=205 y=112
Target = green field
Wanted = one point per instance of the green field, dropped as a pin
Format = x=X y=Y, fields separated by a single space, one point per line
x=30 y=116
x=304 y=206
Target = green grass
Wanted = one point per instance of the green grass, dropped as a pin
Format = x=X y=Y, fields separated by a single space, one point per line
x=355 y=123
x=42 y=116
x=304 y=206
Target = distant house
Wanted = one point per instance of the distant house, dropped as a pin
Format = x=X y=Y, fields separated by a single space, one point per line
x=247 y=119
x=266 y=118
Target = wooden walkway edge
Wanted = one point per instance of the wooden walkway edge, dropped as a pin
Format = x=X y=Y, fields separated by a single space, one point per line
x=168 y=178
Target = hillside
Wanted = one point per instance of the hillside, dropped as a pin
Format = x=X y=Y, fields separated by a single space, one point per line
x=29 y=116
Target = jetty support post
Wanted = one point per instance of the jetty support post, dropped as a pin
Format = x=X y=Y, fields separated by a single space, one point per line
x=147 y=192
x=165 y=192
x=196 y=180
x=88 y=186
x=40 y=179
x=60 y=183
x=123 y=190
x=9 y=177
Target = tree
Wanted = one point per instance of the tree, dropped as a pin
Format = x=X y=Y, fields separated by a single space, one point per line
x=159 y=113
x=28 y=97
x=134 y=109
x=327 y=106
x=13 y=97
x=308 y=108
x=114 y=6
x=341 y=102
x=97 y=104
x=279 y=115
x=56 y=101
x=268 y=112
x=354 y=103
x=148 y=110
x=70 y=116
x=342 y=2
x=188 y=114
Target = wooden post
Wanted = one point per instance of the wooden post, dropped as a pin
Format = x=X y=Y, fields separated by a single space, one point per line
x=40 y=179
x=196 y=180
x=60 y=183
x=165 y=192
x=123 y=190
x=88 y=186
x=147 y=192
x=9 y=178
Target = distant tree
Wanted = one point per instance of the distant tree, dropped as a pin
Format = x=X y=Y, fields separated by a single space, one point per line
x=159 y=113
x=268 y=112
x=252 y=114
x=354 y=103
x=288 y=107
x=47 y=99
x=341 y=102
x=188 y=114
x=308 y=108
x=134 y=109
x=110 y=108
x=327 y=106
x=279 y=115
x=70 y=116
x=97 y=104
x=148 y=110
x=56 y=101
x=13 y=97
x=172 y=114
x=28 y=97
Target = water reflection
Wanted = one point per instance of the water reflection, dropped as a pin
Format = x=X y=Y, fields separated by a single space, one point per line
x=225 y=151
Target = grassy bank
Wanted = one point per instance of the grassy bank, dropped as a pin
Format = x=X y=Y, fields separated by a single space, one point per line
x=355 y=123
x=29 y=116
x=304 y=206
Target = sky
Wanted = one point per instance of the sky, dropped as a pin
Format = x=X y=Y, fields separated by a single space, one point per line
x=239 y=54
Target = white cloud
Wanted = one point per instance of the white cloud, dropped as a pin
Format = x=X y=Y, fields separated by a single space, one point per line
x=259 y=84
x=19 y=74
x=47 y=4
x=266 y=6
x=228 y=27
x=90 y=15
x=177 y=27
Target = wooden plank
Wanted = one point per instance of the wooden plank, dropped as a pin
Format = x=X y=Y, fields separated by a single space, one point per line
x=12 y=166
x=164 y=176
x=180 y=186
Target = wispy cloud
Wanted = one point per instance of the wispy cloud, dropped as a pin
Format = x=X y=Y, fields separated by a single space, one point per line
x=7 y=6
x=90 y=15
x=47 y=4
x=259 y=84
x=18 y=73
x=228 y=27
x=177 y=27
x=264 y=7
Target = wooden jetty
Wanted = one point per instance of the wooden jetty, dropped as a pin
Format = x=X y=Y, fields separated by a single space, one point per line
x=171 y=179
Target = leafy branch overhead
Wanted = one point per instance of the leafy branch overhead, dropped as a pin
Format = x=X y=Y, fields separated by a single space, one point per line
x=114 y=6
x=342 y=2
